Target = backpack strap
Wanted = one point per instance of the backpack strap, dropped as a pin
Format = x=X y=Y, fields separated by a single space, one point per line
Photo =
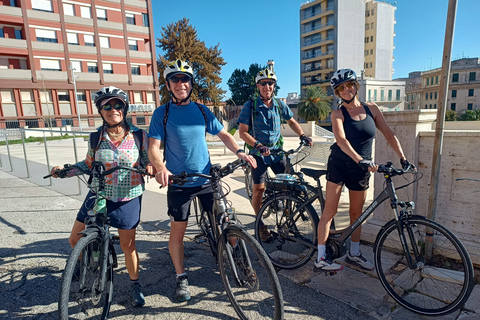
x=95 y=139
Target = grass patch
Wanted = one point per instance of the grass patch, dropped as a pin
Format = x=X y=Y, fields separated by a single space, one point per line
x=35 y=139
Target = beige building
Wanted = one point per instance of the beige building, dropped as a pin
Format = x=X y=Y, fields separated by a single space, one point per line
x=355 y=34
x=463 y=89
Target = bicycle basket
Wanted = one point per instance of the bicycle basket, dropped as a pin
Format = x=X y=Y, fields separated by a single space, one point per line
x=285 y=182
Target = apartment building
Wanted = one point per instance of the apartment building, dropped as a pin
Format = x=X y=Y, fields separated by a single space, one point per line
x=355 y=34
x=423 y=88
x=55 y=54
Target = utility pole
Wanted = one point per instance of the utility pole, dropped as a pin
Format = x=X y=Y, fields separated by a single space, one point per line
x=76 y=102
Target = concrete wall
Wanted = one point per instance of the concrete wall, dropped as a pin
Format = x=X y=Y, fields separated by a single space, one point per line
x=458 y=198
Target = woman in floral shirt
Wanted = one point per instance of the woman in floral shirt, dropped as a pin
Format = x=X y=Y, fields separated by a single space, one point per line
x=123 y=188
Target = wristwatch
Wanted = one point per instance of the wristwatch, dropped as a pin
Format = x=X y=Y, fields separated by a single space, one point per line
x=256 y=144
x=238 y=151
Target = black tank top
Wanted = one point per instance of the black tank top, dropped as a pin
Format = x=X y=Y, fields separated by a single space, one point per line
x=360 y=134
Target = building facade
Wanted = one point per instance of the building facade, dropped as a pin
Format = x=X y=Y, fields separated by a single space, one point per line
x=355 y=34
x=55 y=54
x=423 y=88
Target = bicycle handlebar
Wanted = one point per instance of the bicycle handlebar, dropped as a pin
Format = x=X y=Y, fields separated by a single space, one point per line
x=62 y=173
x=392 y=171
x=275 y=152
x=216 y=172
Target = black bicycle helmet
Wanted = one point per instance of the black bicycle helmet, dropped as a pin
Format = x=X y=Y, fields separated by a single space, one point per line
x=341 y=76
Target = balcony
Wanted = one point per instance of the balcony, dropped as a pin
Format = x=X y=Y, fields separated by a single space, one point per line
x=142 y=79
x=310 y=29
x=140 y=54
x=47 y=46
x=48 y=75
x=122 y=78
x=16 y=74
x=12 y=43
x=12 y=11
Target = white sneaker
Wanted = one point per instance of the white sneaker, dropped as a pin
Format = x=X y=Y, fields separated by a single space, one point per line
x=326 y=264
x=359 y=261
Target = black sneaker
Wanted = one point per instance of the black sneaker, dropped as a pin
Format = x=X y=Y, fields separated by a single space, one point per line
x=182 y=292
x=138 y=298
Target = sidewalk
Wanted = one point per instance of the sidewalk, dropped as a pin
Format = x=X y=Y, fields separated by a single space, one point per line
x=35 y=221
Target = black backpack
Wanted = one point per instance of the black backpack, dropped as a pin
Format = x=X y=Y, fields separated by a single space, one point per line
x=137 y=136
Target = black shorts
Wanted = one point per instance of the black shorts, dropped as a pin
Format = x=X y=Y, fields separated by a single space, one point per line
x=348 y=173
x=259 y=174
x=179 y=199
x=123 y=214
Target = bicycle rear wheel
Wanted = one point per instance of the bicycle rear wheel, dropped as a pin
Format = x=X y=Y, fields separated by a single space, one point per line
x=292 y=233
x=80 y=294
x=248 y=276
x=437 y=284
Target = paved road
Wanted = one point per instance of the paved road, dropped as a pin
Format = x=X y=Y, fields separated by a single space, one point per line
x=35 y=221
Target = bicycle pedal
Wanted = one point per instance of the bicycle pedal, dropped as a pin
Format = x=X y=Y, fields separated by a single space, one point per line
x=330 y=273
x=199 y=238
x=116 y=239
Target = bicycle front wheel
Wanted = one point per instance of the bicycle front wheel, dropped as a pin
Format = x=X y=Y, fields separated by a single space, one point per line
x=287 y=232
x=248 y=276
x=81 y=295
x=436 y=283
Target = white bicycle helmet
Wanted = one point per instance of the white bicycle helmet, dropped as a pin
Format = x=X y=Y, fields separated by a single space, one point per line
x=341 y=76
x=265 y=74
x=177 y=67
x=100 y=97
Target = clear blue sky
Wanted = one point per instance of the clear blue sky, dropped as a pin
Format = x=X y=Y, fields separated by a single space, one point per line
x=252 y=31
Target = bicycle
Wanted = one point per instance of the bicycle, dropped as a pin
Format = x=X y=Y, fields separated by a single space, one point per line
x=421 y=264
x=87 y=281
x=247 y=274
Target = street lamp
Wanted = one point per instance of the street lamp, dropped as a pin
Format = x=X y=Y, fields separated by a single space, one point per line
x=75 y=89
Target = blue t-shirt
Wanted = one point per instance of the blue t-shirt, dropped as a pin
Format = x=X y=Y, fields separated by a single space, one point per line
x=186 y=147
x=266 y=120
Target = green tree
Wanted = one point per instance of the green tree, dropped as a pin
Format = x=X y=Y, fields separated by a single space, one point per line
x=242 y=84
x=314 y=105
x=180 y=41
x=450 y=115
x=470 y=115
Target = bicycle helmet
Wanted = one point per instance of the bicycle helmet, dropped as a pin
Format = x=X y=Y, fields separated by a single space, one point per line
x=265 y=74
x=341 y=76
x=106 y=94
x=177 y=67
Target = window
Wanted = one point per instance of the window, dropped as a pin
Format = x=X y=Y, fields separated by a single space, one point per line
x=89 y=40
x=46 y=35
x=68 y=9
x=107 y=68
x=397 y=96
x=145 y=20
x=426 y=106
x=371 y=25
x=18 y=34
x=455 y=78
x=426 y=96
x=371 y=51
x=453 y=106
x=371 y=38
x=92 y=67
x=102 y=14
x=389 y=95
x=470 y=106
x=2 y=34
x=431 y=95
x=104 y=42
x=436 y=79
x=435 y=106
x=470 y=92
x=42 y=5
x=81 y=96
x=436 y=94
x=132 y=45
x=76 y=66
x=13 y=3
x=382 y=95
x=373 y=12
x=130 y=18
x=50 y=65
x=72 y=38
x=472 y=76
x=63 y=95
x=454 y=93
x=85 y=12
x=430 y=106
x=136 y=70
x=428 y=81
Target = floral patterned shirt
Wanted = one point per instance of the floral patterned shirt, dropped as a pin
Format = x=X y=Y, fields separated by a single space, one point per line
x=121 y=185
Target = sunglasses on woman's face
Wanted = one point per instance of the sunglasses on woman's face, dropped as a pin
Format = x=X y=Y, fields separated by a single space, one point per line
x=264 y=83
x=116 y=106
x=348 y=85
x=176 y=79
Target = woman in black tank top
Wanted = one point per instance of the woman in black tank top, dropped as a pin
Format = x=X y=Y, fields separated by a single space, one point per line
x=350 y=163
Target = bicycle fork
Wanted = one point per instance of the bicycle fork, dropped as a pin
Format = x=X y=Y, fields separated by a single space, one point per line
x=402 y=225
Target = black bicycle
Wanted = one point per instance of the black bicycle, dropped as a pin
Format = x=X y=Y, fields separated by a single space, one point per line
x=420 y=263
x=247 y=274
x=87 y=281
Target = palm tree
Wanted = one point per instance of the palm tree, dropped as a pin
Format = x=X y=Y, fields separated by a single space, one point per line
x=314 y=105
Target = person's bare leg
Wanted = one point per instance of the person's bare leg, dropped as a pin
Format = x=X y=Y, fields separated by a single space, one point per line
x=175 y=244
x=258 y=190
x=127 y=243
x=74 y=235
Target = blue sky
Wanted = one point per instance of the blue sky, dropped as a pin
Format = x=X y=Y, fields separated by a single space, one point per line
x=252 y=31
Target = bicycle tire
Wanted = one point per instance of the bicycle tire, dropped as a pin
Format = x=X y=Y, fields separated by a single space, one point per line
x=78 y=296
x=249 y=182
x=288 y=230
x=438 y=285
x=256 y=292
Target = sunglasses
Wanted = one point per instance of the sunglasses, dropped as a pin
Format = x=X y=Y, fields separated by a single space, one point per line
x=176 y=79
x=348 y=85
x=116 y=106
x=264 y=83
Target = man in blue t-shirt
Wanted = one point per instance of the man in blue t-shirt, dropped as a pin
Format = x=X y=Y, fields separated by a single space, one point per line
x=183 y=135
x=259 y=126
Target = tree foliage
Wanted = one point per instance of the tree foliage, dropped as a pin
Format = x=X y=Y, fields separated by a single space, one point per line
x=242 y=84
x=470 y=115
x=180 y=41
x=450 y=115
x=314 y=104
